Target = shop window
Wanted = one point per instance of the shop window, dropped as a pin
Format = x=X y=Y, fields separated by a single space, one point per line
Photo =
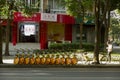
x=28 y=33
x=56 y=32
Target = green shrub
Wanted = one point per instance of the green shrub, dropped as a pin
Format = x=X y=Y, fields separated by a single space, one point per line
x=66 y=47
x=88 y=46
x=70 y=46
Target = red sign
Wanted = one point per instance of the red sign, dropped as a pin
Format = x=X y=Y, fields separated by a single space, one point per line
x=19 y=17
x=37 y=17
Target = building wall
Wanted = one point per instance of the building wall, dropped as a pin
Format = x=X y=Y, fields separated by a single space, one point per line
x=88 y=35
x=74 y=34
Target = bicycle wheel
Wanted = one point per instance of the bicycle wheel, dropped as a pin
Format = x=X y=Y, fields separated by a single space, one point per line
x=104 y=60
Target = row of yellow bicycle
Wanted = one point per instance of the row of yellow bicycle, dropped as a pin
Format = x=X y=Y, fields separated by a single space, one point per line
x=45 y=59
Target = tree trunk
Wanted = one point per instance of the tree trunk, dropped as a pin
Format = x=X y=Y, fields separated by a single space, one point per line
x=107 y=31
x=105 y=38
x=108 y=26
x=81 y=24
x=107 y=22
x=81 y=29
x=97 y=44
x=97 y=32
x=7 y=37
x=0 y=44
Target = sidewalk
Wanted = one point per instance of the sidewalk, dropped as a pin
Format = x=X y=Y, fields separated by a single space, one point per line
x=8 y=63
x=21 y=46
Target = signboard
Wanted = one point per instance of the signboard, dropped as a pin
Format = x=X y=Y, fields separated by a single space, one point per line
x=48 y=17
x=29 y=30
x=37 y=17
x=20 y=17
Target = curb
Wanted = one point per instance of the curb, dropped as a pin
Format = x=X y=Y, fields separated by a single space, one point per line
x=60 y=66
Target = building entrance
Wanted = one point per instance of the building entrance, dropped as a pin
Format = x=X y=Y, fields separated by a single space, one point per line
x=28 y=32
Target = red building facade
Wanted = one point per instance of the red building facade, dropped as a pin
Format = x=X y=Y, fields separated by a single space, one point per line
x=41 y=28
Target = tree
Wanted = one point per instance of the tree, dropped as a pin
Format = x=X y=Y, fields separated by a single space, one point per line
x=112 y=5
x=6 y=12
x=108 y=6
x=10 y=8
x=115 y=29
x=102 y=12
x=78 y=8
x=7 y=8
x=102 y=18
x=2 y=2
x=97 y=32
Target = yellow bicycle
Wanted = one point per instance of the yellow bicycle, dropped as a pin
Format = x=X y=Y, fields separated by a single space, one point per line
x=103 y=58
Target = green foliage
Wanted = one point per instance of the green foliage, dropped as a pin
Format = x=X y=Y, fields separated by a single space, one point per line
x=17 y=5
x=2 y=3
x=28 y=10
x=81 y=9
x=71 y=46
x=115 y=29
x=117 y=42
x=73 y=7
x=65 y=48
x=115 y=4
x=88 y=47
x=3 y=8
x=77 y=7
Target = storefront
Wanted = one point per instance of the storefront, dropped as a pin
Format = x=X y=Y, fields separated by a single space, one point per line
x=25 y=29
x=88 y=30
x=41 y=28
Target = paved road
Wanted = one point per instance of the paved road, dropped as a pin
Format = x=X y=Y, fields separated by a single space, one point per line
x=59 y=73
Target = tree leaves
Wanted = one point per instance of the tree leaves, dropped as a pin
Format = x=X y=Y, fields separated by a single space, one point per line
x=76 y=7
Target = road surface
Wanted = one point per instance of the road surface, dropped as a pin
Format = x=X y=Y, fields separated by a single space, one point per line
x=59 y=73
